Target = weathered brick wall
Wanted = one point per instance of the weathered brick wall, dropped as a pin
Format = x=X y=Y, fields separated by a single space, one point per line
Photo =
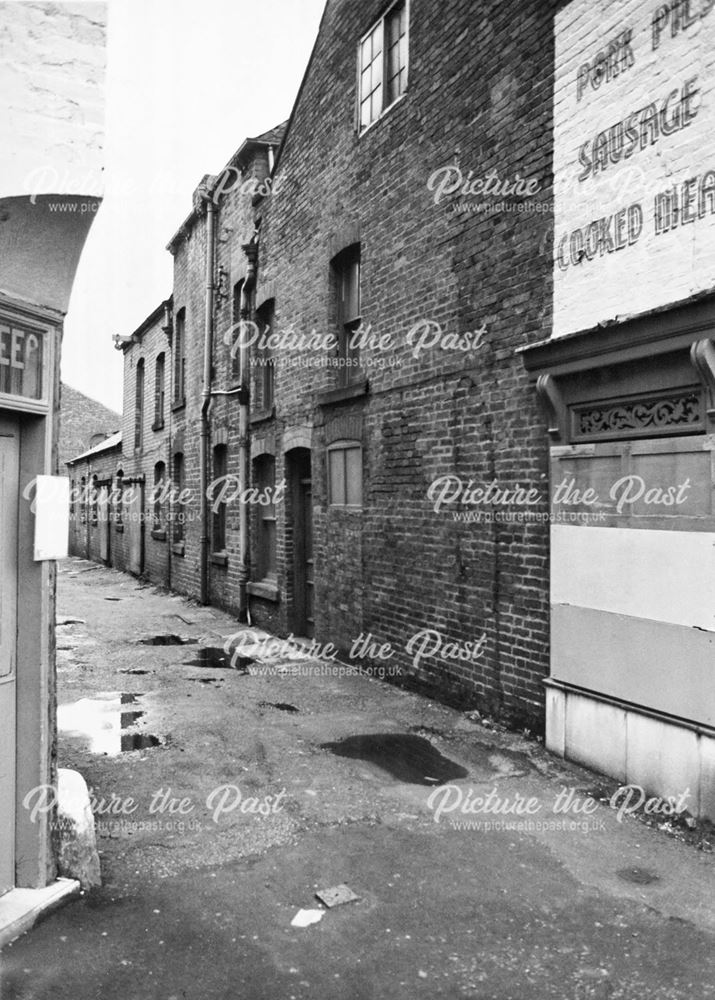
x=189 y=294
x=80 y=419
x=148 y=343
x=479 y=98
x=234 y=223
x=84 y=514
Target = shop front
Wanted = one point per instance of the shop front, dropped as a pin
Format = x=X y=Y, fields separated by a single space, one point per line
x=38 y=257
x=627 y=382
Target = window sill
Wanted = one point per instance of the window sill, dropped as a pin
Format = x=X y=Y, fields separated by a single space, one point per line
x=344 y=393
x=119 y=528
x=178 y=548
x=178 y=404
x=265 y=589
x=260 y=415
x=158 y=425
x=159 y=534
x=219 y=559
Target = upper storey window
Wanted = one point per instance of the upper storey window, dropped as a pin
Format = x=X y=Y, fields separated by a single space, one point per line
x=383 y=64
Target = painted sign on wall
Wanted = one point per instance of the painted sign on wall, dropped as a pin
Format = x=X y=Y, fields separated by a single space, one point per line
x=634 y=158
x=21 y=360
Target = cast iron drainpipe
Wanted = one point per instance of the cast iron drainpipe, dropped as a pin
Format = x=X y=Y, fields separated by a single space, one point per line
x=206 y=398
x=251 y=251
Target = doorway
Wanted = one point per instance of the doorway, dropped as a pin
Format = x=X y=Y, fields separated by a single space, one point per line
x=302 y=571
x=9 y=486
x=104 y=520
x=134 y=518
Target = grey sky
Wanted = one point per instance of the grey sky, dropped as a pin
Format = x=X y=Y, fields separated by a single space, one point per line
x=187 y=81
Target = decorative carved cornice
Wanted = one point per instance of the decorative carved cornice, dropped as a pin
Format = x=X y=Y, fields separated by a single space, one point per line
x=674 y=413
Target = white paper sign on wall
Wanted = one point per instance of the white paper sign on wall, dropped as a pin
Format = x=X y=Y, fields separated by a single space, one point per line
x=52 y=517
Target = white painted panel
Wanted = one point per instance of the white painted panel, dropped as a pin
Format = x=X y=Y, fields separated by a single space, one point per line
x=664 y=759
x=556 y=721
x=666 y=576
x=596 y=735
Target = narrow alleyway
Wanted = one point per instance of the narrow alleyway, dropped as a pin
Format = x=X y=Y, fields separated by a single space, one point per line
x=220 y=813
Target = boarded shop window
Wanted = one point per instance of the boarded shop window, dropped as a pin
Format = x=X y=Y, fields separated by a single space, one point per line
x=264 y=471
x=264 y=359
x=139 y=406
x=179 y=347
x=159 y=378
x=178 y=514
x=383 y=64
x=220 y=465
x=346 y=269
x=345 y=474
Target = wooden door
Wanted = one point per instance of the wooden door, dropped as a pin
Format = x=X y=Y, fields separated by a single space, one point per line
x=103 y=517
x=303 y=616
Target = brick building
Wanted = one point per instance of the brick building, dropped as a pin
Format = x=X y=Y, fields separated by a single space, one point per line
x=92 y=478
x=84 y=422
x=367 y=273
x=456 y=299
x=390 y=229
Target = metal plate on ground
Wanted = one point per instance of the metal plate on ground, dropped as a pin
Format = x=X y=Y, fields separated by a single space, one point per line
x=336 y=896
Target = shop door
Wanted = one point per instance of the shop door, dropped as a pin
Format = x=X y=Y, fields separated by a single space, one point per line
x=9 y=482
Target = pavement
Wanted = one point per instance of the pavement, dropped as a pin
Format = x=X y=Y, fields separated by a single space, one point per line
x=223 y=804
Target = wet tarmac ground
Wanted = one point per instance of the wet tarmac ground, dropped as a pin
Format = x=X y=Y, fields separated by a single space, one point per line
x=225 y=799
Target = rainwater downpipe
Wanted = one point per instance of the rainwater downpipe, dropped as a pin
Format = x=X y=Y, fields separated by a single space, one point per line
x=206 y=398
x=251 y=251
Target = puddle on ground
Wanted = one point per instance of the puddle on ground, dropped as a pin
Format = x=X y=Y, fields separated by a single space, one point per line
x=216 y=658
x=638 y=876
x=166 y=640
x=135 y=672
x=206 y=680
x=101 y=724
x=282 y=706
x=407 y=758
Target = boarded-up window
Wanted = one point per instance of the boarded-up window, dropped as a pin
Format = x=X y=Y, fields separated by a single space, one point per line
x=345 y=474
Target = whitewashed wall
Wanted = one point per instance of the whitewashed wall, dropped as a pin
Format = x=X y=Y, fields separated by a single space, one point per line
x=666 y=48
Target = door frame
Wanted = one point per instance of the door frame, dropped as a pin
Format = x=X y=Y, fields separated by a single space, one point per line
x=302 y=580
x=9 y=431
